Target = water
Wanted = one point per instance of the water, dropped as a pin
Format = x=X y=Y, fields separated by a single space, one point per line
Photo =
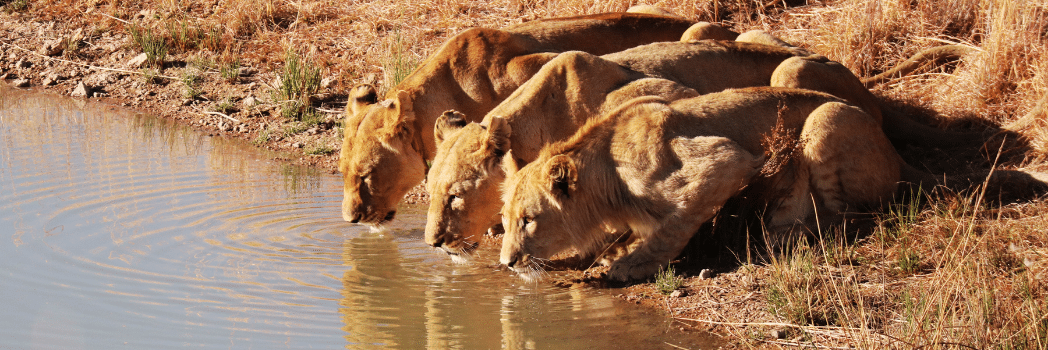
x=122 y=230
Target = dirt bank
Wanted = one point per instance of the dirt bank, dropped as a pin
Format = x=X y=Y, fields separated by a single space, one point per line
x=921 y=275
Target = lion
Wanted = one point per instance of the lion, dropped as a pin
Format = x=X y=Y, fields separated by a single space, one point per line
x=661 y=169
x=551 y=106
x=386 y=144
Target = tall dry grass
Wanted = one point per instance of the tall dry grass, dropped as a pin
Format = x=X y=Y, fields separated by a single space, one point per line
x=946 y=275
x=952 y=275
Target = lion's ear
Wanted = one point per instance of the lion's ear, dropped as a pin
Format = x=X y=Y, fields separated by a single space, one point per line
x=362 y=96
x=510 y=164
x=405 y=109
x=398 y=117
x=562 y=175
x=498 y=135
x=448 y=122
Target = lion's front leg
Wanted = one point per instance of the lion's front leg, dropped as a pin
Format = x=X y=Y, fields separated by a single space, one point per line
x=711 y=170
x=654 y=251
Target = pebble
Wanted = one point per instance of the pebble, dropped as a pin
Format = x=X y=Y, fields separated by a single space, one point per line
x=81 y=90
x=705 y=274
x=778 y=334
x=138 y=61
x=21 y=83
x=678 y=294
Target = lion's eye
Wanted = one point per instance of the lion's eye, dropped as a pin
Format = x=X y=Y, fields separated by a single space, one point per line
x=526 y=220
x=456 y=202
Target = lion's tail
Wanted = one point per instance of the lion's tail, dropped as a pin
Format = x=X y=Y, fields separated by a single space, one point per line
x=933 y=57
x=996 y=185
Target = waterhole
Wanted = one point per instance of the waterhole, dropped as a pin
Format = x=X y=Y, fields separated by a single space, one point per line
x=120 y=230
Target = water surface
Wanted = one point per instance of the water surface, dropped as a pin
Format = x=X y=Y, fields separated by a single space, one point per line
x=122 y=230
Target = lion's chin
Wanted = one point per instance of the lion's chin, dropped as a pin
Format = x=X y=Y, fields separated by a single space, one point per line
x=529 y=274
x=377 y=228
x=457 y=255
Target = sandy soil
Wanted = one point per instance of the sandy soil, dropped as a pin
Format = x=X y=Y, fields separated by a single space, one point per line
x=103 y=68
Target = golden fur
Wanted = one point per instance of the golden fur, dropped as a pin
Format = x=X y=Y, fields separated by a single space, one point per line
x=662 y=169
x=387 y=143
x=552 y=105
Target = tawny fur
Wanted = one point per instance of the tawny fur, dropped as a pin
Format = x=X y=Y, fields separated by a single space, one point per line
x=576 y=86
x=387 y=143
x=662 y=169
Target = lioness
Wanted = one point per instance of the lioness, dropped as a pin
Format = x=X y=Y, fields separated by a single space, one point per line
x=462 y=182
x=387 y=144
x=662 y=169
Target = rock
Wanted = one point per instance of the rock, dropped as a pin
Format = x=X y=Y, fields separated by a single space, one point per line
x=249 y=102
x=50 y=79
x=138 y=61
x=246 y=71
x=82 y=90
x=22 y=63
x=53 y=47
x=4 y=76
x=297 y=145
x=778 y=334
x=326 y=82
x=678 y=294
x=20 y=83
x=705 y=274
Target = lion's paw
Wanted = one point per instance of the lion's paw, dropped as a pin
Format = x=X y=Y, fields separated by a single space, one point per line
x=625 y=271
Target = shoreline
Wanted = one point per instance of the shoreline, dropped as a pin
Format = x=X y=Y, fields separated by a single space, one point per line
x=908 y=263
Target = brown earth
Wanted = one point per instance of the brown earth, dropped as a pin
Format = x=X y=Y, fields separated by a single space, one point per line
x=732 y=300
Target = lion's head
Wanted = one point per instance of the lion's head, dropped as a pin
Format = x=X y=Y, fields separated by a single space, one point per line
x=380 y=159
x=464 y=180
x=538 y=200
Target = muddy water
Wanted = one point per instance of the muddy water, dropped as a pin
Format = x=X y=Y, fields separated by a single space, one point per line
x=121 y=230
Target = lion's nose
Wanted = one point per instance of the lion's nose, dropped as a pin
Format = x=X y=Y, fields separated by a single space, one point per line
x=351 y=217
x=439 y=241
x=512 y=262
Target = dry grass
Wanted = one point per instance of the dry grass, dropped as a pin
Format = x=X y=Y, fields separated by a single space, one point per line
x=948 y=274
x=951 y=275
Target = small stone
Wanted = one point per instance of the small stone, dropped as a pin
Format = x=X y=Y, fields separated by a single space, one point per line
x=778 y=334
x=249 y=102
x=680 y=293
x=326 y=82
x=82 y=90
x=705 y=274
x=22 y=63
x=138 y=61
x=53 y=47
x=50 y=79
x=20 y=83
x=4 y=76
x=297 y=145
x=187 y=102
x=246 y=71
